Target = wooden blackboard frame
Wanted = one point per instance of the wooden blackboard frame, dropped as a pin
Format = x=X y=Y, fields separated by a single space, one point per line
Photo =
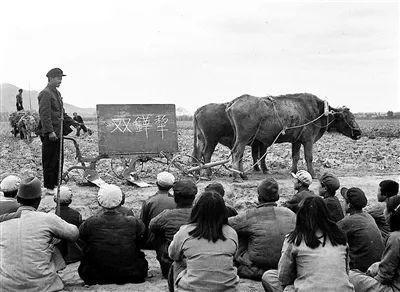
x=134 y=129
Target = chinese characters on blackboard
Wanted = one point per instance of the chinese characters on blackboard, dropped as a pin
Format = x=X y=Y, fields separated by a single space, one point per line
x=141 y=123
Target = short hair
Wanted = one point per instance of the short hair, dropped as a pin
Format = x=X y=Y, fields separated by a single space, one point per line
x=389 y=188
x=29 y=202
x=209 y=215
x=20 y=90
x=10 y=194
x=163 y=188
x=216 y=187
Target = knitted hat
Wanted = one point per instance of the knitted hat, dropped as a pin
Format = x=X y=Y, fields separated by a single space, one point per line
x=330 y=181
x=30 y=189
x=109 y=196
x=268 y=190
x=303 y=176
x=185 y=188
x=10 y=183
x=165 y=179
x=355 y=197
x=65 y=195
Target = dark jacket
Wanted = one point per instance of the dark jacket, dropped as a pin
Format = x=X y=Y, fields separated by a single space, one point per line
x=364 y=238
x=334 y=207
x=8 y=205
x=164 y=226
x=293 y=203
x=231 y=212
x=78 y=119
x=261 y=232
x=50 y=110
x=153 y=206
x=70 y=250
x=111 y=249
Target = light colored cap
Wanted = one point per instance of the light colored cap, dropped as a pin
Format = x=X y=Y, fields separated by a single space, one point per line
x=303 y=176
x=165 y=179
x=109 y=196
x=65 y=195
x=10 y=183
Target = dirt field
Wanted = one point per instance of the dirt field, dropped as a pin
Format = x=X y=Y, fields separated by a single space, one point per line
x=360 y=163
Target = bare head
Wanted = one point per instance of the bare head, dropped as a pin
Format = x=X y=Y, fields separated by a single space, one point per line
x=345 y=123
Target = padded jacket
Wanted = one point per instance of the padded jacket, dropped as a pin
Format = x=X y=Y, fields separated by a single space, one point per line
x=262 y=230
x=111 y=249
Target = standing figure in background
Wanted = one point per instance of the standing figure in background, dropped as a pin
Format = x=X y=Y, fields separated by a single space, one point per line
x=19 y=105
x=81 y=125
x=50 y=111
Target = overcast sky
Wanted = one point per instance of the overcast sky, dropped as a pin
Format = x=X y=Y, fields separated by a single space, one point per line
x=195 y=52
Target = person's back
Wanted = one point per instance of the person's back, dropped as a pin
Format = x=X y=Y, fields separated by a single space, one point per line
x=111 y=243
x=261 y=232
x=319 y=269
x=302 y=181
x=365 y=240
x=27 y=245
x=167 y=223
x=209 y=265
x=111 y=249
x=70 y=250
x=334 y=207
x=265 y=228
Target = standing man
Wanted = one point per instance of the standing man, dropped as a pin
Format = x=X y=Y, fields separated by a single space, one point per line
x=81 y=125
x=19 y=105
x=50 y=111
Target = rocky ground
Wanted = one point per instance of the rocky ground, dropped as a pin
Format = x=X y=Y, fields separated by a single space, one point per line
x=360 y=163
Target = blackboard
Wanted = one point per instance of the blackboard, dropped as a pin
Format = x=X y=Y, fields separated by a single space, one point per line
x=136 y=128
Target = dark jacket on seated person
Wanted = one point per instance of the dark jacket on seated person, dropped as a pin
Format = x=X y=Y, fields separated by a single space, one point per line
x=293 y=203
x=70 y=251
x=261 y=232
x=167 y=223
x=111 y=249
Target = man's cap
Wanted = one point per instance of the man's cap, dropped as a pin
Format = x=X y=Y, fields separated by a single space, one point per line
x=10 y=183
x=303 y=176
x=355 y=197
x=65 y=195
x=165 y=179
x=268 y=190
x=30 y=188
x=216 y=187
x=55 y=72
x=109 y=196
x=185 y=188
x=330 y=181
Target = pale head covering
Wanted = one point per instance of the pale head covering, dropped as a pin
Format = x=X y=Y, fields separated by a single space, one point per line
x=165 y=179
x=10 y=183
x=65 y=195
x=303 y=176
x=109 y=196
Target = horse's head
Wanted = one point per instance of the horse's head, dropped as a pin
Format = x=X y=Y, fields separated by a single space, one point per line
x=345 y=123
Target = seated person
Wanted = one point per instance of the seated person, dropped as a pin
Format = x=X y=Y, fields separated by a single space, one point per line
x=314 y=255
x=29 y=261
x=9 y=186
x=168 y=222
x=363 y=235
x=219 y=189
x=69 y=250
x=387 y=190
x=160 y=201
x=203 y=249
x=302 y=180
x=261 y=232
x=383 y=276
x=124 y=210
x=111 y=244
x=329 y=184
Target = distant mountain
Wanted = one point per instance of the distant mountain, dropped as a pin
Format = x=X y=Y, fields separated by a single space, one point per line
x=7 y=101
